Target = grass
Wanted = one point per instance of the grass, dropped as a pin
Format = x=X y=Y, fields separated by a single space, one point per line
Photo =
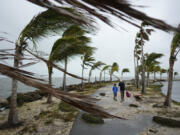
x=89 y=118
x=65 y=107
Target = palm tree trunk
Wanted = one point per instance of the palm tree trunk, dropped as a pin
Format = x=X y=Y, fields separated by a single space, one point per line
x=89 y=76
x=13 y=114
x=170 y=80
x=82 y=74
x=49 y=98
x=110 y=77
x=64 y=78
x=160 y=76
x=137 y=77
x=100 y=76
x=147 y=82
x=154 y=76
x=104 y=76
x=135 y=73
x=143 y=90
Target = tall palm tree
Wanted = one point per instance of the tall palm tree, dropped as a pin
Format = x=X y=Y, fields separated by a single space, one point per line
x=137 y=53
x=96 y=65
x=141 y=37
x=45 y=23
x=104 y=69
x=175 y=49
x=162 y=71
x=124 y=70
x=175 y=74
x=72 y=43
x=87 y=60
x=156 y=69
x=113 y=68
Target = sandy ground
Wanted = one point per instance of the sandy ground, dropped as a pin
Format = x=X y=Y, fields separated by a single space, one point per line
x=34 y=123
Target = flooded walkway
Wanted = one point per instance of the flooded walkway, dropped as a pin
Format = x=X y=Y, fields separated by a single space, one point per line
x=132 y=126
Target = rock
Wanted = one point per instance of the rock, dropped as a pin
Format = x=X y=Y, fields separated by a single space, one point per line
x=133 y=105
x=4 y=104
x=153 y=130
x=166 y=121
x=102 y=94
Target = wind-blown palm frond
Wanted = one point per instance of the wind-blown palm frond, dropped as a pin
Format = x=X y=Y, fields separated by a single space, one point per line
x=114 y=68
x=99 y=8
x=47 y=22
x=82 y=102
x=125 y=70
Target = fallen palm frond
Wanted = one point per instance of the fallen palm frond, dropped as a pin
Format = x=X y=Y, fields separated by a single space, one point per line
x=81 y=102
x=100 y=8
x=53 y=65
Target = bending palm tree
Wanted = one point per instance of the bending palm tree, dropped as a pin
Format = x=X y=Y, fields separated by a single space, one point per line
x=175 y=49
x=45 y=23
x=114 y=68
x=96 y=65
x=87 y=60
x=72 y=43
x=150 y=62
x=104 y=70
x=175 y=74
x=125 y=70
x=162 y=71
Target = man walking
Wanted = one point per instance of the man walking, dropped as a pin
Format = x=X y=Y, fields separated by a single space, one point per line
x=115 y=90
x=122 y=89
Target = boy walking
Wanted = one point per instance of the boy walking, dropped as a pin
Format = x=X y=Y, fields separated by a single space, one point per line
x=115 y=90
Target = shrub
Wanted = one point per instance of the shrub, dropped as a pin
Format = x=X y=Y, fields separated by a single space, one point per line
x=65 y=107
x=89 y=118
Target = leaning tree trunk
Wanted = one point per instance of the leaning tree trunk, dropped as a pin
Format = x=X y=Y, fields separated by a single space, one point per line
x=154 y=76
x=82 y=74
x=110 y=77
x=64 y=78
x=137 y=77
x=49 y=98
x=100 y=76
x=170 y=80
x=13 y=114
x=147 y=82
x=143 y=90
x=135 y=69
x=104 y=76
x=89 y=76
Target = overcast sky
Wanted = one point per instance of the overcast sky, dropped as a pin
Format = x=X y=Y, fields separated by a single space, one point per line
x=113 y=45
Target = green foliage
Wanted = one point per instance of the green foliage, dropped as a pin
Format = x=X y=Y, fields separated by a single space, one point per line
x=125 y=70
x=175 y=44
x=114 y=68
x=166 y=121
x=89 y=118
x=65 y=107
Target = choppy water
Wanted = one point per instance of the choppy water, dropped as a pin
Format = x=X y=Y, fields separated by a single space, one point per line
x=175 y=90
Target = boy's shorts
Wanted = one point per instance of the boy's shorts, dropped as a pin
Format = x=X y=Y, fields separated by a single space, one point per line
x=115 y=94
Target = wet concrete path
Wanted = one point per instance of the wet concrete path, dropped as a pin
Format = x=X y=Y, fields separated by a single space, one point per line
x=132 y=126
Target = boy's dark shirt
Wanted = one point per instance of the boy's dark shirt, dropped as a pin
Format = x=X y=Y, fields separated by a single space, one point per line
x=122 y=86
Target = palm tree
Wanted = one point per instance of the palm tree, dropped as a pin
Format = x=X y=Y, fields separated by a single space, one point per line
x=87 y=60
x=175 y=49
x=162 y=71
x=141 y=37
x=150 y=62
x=113 y=68
x=175 y=74
x=96 y=65
x=72 y=43
x=47 y=22
x=156 y=69
x=124 y=70
x=137 y=52
x=106 y=67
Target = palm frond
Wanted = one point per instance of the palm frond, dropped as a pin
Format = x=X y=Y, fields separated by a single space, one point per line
x=99 y=8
